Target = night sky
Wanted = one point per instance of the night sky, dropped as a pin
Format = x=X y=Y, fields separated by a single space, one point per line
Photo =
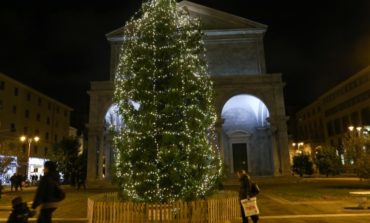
x=58 y=47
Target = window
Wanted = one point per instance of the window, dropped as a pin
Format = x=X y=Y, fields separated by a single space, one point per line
x=46 y=151
x=39 y=101
x=48 y=120
x=49 y=106
x=28 y=96
x=355 y=119
x=38 y=117
x=16 y=91
x=345 y=123
x=27 y=113
x=12 y=127
x=47 y=136
x=330 y=128
x=14 y=109
x=337 y=126
x=55 y=138
x=25 y=130
x=365 y=116
x=2 y=85
x=35 y=149
x=1 y=104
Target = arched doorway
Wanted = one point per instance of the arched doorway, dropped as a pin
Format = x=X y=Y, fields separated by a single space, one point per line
x=247 y=137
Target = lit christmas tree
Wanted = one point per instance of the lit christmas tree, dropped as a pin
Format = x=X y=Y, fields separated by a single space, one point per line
x=165 y=150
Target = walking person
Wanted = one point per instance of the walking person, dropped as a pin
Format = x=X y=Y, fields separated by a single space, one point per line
x=1 y=187
x=19 y=182
x=48 y=193
x=81 y=179
x=13 y=182
x=245 y=192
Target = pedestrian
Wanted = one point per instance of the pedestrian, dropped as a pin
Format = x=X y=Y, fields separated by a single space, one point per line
x=245 y=192
x=13 y=183
x=20 y=212
x=19 y=181
x=48 y=193
x=1 y=187
x=81 y=180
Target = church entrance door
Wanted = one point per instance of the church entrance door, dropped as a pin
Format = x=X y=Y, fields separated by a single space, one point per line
x=240 y=157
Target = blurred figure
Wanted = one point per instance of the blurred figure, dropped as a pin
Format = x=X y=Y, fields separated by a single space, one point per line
x=19 y=181
x=48 y=193
x=245 y=192
x=13 y=182
x=20 y=212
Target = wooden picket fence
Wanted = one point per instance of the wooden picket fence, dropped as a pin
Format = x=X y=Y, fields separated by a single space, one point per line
x=107 y=208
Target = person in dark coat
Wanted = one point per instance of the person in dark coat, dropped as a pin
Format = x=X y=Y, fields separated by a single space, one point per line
x=13 y=182
x=1 y=188
x=20 y=212
x=19 y=181
x=47 y=193
x=245 y=192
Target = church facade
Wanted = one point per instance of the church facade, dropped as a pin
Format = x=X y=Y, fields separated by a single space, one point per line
x=251 y=126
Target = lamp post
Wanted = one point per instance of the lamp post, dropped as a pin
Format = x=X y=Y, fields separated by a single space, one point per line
x=297 y=146
x=29 y=141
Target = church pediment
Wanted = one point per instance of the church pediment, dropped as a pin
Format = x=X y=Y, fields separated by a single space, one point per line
x=212 y=19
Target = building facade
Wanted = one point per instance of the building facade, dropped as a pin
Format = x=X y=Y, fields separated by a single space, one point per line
x=251 y=127
x=27 y=112
x=326 y=121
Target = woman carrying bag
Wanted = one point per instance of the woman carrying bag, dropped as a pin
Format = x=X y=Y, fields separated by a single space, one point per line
x=247 y=196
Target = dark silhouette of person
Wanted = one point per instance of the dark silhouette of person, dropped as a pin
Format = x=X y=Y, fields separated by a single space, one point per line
x=1 y=187
x=81 y=179
x=47 y=193
x=245 y=192
x=20 y=212
x=19 y=181
x=13 y=182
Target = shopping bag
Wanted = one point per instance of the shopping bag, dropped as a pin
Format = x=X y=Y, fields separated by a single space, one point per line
x=250 y=206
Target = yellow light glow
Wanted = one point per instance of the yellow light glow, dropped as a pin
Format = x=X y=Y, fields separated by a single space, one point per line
x=23 y=138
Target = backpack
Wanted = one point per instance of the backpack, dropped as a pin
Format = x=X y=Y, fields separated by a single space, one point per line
x=255 y=190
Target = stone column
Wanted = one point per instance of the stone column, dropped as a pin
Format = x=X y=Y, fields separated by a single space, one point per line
x=283 y=144
x=108 y=156
x=91 y=155
x=100 y=149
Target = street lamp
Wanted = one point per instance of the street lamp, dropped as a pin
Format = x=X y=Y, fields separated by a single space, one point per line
x=297 y=146
x=29 y=140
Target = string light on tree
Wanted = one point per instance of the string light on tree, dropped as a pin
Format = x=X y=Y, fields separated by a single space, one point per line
x=165 y=150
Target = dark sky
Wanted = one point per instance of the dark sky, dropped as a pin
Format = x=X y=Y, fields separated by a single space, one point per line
x=58 y=47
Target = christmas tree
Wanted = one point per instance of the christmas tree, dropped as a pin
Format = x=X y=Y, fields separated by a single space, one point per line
x=165 y=150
